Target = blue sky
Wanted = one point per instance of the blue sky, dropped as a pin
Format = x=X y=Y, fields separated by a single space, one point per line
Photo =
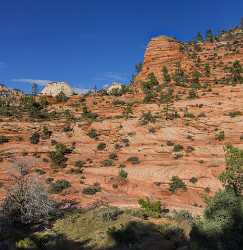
x=88 y=42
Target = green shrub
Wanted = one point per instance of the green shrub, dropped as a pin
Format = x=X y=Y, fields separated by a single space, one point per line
x=192 y=94
x=101 y=146
x=220 y=136
x=67 y=129
x=150 y=206
x=179 y=76
x=151 y=83
x=26 y=243
x=147 y=117
x=134 y=160
x=194 y=180
x=189 y=115
x=79 y=164
x=3 y=139
x=40 y=171
x=113 y=156
x=58 y=157
x=178 y=148
x=59 y=186
x=176 y=183
x=88 y=114
x=166 y=76
x=111 y=214
x=221 y=227
x=234 y=114
x=92 y=190
x=35 y=138
x=236 y=73
x=118 y=102
x=46 y=133
x=123 y=174
x=49 y=180
x=93 y=134
x=107 y=163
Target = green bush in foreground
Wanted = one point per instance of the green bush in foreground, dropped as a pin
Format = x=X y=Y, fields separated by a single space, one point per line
x=150 y=206
x=221 y=227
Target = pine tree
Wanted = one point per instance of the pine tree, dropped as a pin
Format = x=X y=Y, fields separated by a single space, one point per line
x=241 y=23
x=209 y=36
x=166 y=75
x=199 y=37
x=179 y=76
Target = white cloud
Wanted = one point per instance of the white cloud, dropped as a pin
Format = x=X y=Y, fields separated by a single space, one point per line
x=81 y=91
x=112 y=76
x=31 y=81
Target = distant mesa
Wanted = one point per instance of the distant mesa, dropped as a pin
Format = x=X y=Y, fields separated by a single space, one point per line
x=55 y=88
x=4 y=91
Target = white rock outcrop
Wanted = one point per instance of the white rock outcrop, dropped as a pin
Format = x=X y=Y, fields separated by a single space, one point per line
x=54 y=88
x=113 y=87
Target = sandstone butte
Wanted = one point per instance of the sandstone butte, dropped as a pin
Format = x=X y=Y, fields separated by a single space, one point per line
x=202 y=155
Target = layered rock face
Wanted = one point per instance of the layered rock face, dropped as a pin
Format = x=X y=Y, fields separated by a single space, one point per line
x=161 y=51
x=219 y=55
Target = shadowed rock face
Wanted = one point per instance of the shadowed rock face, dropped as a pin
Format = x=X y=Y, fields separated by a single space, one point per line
x=54 y=88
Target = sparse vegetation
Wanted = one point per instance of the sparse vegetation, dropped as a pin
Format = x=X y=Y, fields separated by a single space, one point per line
x=150 y=206
x=123 y=174
x=35 y=138
x=233 y=114
x=134 y=160
x=147 y=118
x=178 y=148
x=151 y=88
x=58 y=157
x=220 y=136
x=93 y=134
x=101 y=146
x=92 y=190
x=194 y=180
x=176 y=183
x=3 y=139
x=58 y=186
